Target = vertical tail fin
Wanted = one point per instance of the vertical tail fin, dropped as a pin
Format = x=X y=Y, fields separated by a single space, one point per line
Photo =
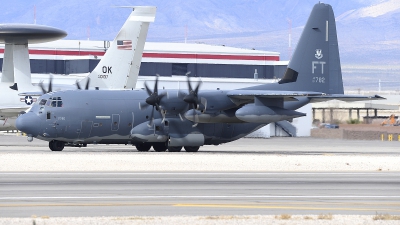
x=8 y=65
x=119 y=67
x=315 y=65
x=16 y=67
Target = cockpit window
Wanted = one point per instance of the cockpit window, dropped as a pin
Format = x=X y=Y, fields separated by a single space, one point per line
x=42 y=102
x=56 y=102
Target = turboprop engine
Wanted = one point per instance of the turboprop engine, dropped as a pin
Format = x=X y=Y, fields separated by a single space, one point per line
x=253 y=113
x=226 y=116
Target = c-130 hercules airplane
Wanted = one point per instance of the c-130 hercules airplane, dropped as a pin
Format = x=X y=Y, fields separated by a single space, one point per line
x=193 y=118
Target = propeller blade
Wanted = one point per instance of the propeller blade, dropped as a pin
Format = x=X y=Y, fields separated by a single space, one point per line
x=181 y=94
x=156 y=84
x=180 y=116
x=154 y=99
x=194 y=114
x=195 y=119
x=151 y=118
x=77 y=85
x=147 y=89
x=189 y=86
x=143 y=105
x=204 y=103
x=198 y=87
x=162 y=95
x=163 y=112
x=42 y=87
x=50 y=85
x=87 y=83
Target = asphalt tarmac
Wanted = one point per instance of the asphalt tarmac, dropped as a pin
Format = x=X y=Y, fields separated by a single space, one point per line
x=212 y=193
x=36 y=181
x=283 y=145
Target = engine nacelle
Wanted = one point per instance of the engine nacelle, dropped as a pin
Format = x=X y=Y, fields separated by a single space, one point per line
x=265 y=114
x=218 y=117
x=144 y=133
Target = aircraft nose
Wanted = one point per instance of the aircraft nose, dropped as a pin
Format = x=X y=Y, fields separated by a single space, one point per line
x=28 y=123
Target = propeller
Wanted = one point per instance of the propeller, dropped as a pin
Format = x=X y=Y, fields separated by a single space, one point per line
x=50 y=87
x=193 y=99
x=86 y=86
x=154 y=100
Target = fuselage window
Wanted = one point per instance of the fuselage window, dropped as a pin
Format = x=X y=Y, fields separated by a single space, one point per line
x=56 y=102
x=48 y=116
x=43 y=102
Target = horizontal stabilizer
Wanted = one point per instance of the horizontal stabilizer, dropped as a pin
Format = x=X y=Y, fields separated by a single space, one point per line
x=34 y=93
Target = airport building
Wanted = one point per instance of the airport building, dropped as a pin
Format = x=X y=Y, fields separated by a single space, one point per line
x=166 y=59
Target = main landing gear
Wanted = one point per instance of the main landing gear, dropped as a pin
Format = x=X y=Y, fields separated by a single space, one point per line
x=174 y=148
x=143 y=147
x=56 y=145
x=187 y=148
x=192 y=148
x=162 y=147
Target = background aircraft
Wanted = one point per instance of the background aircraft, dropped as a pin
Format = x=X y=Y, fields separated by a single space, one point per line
x=118 y=69
x=193 y=118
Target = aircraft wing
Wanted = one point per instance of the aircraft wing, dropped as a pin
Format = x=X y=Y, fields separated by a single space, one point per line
x=250 y=94
x=345 y=98
x=12 y=109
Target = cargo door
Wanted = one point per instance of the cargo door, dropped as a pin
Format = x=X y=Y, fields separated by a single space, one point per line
x=115 y=122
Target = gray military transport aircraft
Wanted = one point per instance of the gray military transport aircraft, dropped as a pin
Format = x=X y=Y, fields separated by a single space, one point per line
x=193 y=118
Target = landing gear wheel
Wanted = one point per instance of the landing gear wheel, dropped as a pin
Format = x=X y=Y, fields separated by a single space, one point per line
x=192 y=148
x=174 y=149
x=160 y=147
x=56 y=145
x=143 y=147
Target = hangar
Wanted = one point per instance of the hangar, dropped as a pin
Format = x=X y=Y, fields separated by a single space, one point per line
x=167 y=59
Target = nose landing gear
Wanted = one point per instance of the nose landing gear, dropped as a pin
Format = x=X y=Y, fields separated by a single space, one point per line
x=29 y=138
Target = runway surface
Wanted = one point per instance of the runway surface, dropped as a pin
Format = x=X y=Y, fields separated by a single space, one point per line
x=201 y=193
x=284 y=145
x=247 y=177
